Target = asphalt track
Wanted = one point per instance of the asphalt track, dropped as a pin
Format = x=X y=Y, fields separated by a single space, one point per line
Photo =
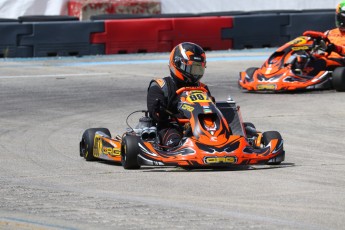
x=46 y=104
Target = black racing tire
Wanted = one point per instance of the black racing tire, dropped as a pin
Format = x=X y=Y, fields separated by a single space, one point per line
x=129 y=152
x=249 y=124
x=338 y=79
x=266 y=139
x=250 y=129
x=250 y=71
x=87 y=143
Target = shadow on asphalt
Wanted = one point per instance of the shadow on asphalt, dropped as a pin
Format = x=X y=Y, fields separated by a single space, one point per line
x=216 y=169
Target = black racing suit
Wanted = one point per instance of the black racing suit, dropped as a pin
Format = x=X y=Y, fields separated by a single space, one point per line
x=161 y=97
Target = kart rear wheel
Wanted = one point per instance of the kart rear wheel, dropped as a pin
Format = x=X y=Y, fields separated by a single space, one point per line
x=129 y=152
x=266 y=139
x=338 y=79
x=87 y=142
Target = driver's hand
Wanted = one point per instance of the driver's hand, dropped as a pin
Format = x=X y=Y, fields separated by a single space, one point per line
x=157 y=105
x=159 y=110
x=333 y=48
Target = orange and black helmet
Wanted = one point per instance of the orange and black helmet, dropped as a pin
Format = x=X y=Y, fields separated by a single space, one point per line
x=187 y=62
x=340 y=15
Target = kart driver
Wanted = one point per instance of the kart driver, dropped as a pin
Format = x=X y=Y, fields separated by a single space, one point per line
x=336 y=36
x=187 y=65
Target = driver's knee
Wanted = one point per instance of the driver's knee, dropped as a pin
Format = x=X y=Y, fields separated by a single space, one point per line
x=315 y=66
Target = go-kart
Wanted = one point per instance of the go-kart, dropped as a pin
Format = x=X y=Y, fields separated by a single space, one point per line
x=213 y=136
x=301 y=64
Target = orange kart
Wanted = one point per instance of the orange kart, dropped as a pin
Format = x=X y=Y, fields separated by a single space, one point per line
x=214 y=136
x=301 y=64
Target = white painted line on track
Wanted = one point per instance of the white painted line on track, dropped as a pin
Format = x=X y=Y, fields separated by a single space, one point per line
x=157 y=61
x=54 y=75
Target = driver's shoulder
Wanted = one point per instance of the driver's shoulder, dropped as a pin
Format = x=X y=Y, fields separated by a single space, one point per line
x=161 y=82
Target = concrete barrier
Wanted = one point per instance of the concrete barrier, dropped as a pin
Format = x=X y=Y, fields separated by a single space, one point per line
x=308 y=20
x=257 y=31
x=142 y=33
x=11 y=33
x=62 y=39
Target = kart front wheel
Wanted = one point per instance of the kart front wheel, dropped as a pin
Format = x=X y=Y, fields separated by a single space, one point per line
x=250 y=129
x=87 y=142
x=129 y=152
x=250 y=71
x=267 y=137
x=338 y=79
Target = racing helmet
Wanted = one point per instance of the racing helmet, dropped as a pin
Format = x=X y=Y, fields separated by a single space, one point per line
x=340 y=16
x=187 y=63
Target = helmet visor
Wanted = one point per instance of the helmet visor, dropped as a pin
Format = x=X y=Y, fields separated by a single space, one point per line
x=340 y=20
x=194 y=68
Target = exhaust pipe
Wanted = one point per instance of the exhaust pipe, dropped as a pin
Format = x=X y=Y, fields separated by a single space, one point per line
x=153 y=132
x=149 y=133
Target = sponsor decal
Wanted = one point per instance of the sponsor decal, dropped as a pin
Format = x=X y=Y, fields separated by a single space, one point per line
x=111 y=151
x=266 y=87
x=100 y=148
x=207 y=110
x=268 y=70
x=299 y=41
x=300 y=48
x=218 y=160
x=198 y=96
x=187 y=107
x=97 y=146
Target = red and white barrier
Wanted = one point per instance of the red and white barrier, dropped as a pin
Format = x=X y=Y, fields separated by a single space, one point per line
x=85 y=9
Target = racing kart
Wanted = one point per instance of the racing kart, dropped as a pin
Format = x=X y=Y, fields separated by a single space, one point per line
x=301 y=64
x=213 y=136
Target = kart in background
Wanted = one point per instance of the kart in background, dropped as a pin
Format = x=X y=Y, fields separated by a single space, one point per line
x=214 y=136
x=297 y=65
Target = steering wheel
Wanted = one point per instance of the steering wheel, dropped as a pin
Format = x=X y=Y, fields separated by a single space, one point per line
x=320 y=43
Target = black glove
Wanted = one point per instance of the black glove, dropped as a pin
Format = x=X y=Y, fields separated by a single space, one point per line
x=160 y=111
x=332 y=48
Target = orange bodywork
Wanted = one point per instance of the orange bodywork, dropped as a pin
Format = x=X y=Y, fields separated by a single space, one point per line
x=106 y=148
x=212 y=142
x=241 y=153
x=190 y=154
x=278 y=73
